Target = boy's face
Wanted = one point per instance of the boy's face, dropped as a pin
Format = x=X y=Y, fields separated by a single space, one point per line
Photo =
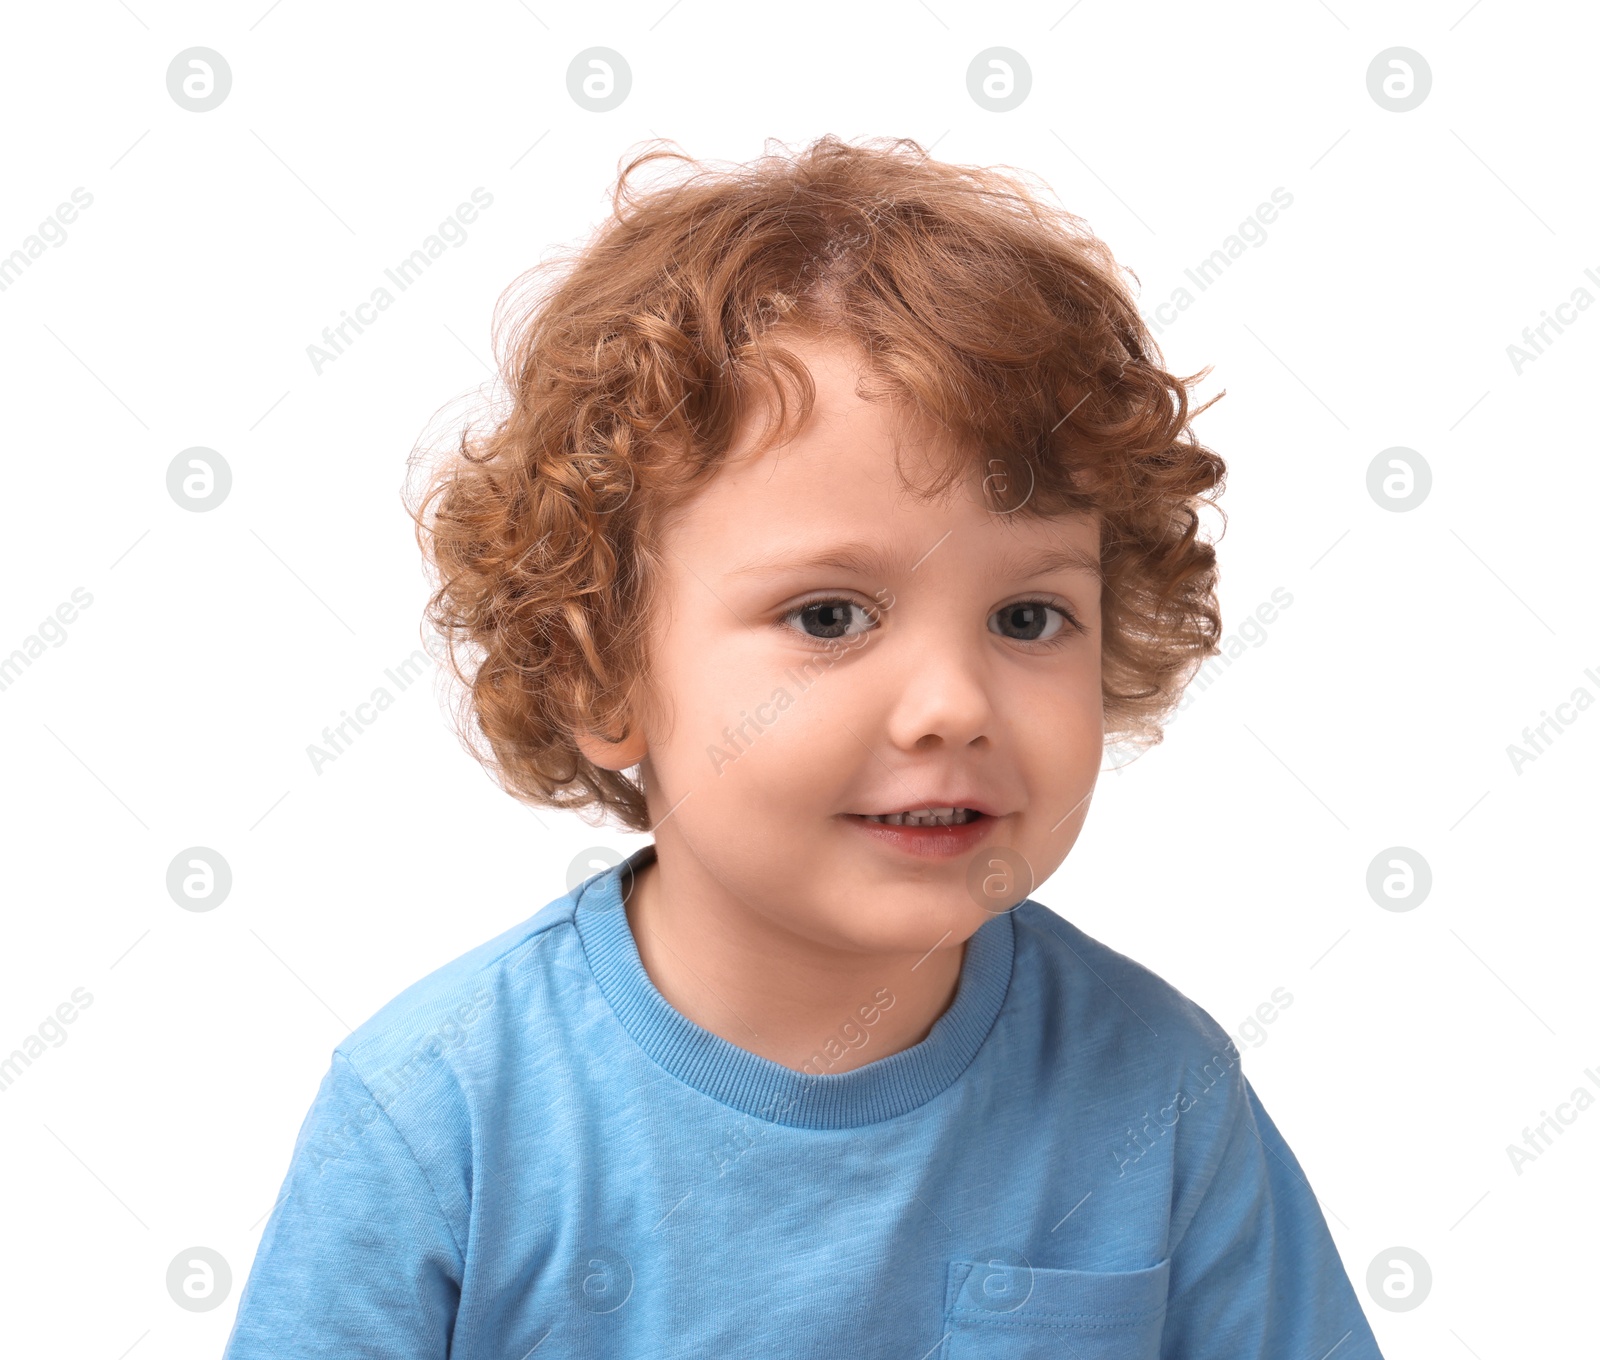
x=782 y=720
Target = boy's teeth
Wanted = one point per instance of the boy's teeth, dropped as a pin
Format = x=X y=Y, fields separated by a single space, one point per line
x=929 y=817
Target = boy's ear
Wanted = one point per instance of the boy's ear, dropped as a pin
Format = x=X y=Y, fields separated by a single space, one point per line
x=613 y=755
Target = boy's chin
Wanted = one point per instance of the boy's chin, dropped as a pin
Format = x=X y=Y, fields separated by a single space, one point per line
x=913 y=927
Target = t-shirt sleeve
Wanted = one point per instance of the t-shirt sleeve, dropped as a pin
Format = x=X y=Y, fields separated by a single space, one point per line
x=357 y=1259
x=1256 y=1274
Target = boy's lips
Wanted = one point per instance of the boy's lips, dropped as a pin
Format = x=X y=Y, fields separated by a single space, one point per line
x=928 y=842
x=977 y=802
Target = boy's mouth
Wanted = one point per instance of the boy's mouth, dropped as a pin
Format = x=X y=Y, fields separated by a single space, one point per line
x=928 y=833
x=946 y=816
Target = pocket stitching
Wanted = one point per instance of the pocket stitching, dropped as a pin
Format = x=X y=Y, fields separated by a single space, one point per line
x=1107 y=1322
x=960 y=1271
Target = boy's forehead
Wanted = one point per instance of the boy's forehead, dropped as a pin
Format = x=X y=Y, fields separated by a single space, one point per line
x=845 y=506
x=852 y=473
x=1071 y=547
x=847 y=436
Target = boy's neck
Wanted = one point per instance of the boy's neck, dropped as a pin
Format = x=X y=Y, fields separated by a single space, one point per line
x=777 y=994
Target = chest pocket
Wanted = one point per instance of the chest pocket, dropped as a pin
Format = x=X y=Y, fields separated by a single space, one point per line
x=996 y=1311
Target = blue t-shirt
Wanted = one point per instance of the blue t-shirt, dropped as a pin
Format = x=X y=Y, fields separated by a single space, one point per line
x=530 y=1150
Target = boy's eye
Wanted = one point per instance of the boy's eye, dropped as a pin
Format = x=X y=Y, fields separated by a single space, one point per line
x=1031 y=618
x=829 y=620
x=831 y=617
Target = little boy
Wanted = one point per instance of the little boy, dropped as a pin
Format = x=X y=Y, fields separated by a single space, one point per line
x=810 y=1075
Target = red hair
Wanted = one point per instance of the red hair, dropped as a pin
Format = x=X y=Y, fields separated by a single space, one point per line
x=976 y=306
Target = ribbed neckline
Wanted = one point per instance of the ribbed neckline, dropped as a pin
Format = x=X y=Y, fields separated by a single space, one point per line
x=758 y=1086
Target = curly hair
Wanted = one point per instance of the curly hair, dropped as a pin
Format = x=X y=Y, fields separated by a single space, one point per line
x=976 y=306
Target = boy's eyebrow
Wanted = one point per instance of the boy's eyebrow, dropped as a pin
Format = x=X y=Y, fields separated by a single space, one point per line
x=872 y=559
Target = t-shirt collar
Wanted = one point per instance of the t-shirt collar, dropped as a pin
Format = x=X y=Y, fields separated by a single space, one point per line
x=757 y=1086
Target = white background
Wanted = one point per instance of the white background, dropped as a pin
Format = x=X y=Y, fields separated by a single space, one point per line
x=1232 y=859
